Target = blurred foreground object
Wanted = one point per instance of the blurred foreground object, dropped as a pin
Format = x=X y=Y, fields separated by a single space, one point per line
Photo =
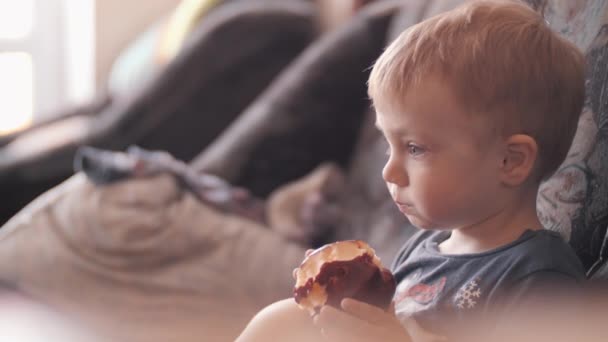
x=23 y=320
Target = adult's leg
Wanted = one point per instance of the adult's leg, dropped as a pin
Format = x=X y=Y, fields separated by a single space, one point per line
x=281 y=321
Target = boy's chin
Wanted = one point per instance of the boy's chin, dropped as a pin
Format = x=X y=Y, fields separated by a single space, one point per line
x=423 y=224
x=420 y=223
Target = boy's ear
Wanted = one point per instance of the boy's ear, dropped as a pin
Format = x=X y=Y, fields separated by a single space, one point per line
x=519 y=157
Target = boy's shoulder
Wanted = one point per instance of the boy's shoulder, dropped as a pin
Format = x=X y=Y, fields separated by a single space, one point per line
x=535 y=252
x=544 y=251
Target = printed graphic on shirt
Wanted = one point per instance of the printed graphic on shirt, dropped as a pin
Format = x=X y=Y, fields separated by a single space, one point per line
x=413 y=296
x=468 y=295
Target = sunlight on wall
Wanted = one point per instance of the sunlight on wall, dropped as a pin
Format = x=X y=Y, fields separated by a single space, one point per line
x=15 y=18
x=46 y=59
x=16 y=87
x=80 y=50
x=16 y=83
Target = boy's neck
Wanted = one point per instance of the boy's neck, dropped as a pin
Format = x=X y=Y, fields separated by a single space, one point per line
x=499 y=229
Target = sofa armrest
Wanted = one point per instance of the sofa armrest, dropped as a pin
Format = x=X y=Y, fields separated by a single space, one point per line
x=233 y=55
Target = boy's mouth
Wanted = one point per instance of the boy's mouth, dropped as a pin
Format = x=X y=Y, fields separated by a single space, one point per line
x=405 y=208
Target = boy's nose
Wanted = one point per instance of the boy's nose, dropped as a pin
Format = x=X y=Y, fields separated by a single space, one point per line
x=393 y=172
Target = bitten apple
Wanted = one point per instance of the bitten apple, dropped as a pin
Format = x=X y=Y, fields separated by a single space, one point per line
x=343 y=269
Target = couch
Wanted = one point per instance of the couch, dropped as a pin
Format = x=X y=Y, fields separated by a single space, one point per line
x=143 y=259
x=178 y=104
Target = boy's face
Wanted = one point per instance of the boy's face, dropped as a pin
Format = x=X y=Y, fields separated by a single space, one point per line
x=438 y=173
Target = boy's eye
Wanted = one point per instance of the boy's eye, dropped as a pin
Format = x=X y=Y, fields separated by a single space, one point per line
x=414 y=150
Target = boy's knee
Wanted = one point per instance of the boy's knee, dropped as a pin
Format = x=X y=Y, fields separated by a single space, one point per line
x=280 y=319
x=285 y=312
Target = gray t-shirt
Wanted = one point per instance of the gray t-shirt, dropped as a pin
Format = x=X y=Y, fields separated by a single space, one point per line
x=436 y=288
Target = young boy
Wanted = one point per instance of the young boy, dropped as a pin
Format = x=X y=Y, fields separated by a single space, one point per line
x=478 y=105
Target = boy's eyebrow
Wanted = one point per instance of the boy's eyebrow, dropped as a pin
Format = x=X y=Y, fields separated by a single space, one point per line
x=398 y=131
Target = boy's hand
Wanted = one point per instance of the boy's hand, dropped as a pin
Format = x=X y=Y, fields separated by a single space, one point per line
x=360 y=322
x=419 y=334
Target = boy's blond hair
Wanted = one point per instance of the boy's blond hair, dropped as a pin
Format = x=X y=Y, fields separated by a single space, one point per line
x=502 y=61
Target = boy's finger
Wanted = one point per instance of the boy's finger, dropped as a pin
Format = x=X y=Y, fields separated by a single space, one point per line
x=391 y=308
x=308 y=252
x=364 y=311
x=339 y=326
x=334 y=335
x=330 y=318
x=420 y=334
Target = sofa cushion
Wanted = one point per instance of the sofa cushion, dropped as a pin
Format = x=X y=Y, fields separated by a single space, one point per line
x=144 y=260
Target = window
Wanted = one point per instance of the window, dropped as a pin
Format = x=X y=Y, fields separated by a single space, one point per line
x=46 y=59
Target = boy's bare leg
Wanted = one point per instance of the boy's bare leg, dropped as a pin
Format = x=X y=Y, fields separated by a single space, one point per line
x=281 y=321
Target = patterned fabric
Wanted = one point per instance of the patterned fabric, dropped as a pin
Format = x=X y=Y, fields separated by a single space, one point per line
x=574 y=201
x=105 y=167
x=599 y=270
